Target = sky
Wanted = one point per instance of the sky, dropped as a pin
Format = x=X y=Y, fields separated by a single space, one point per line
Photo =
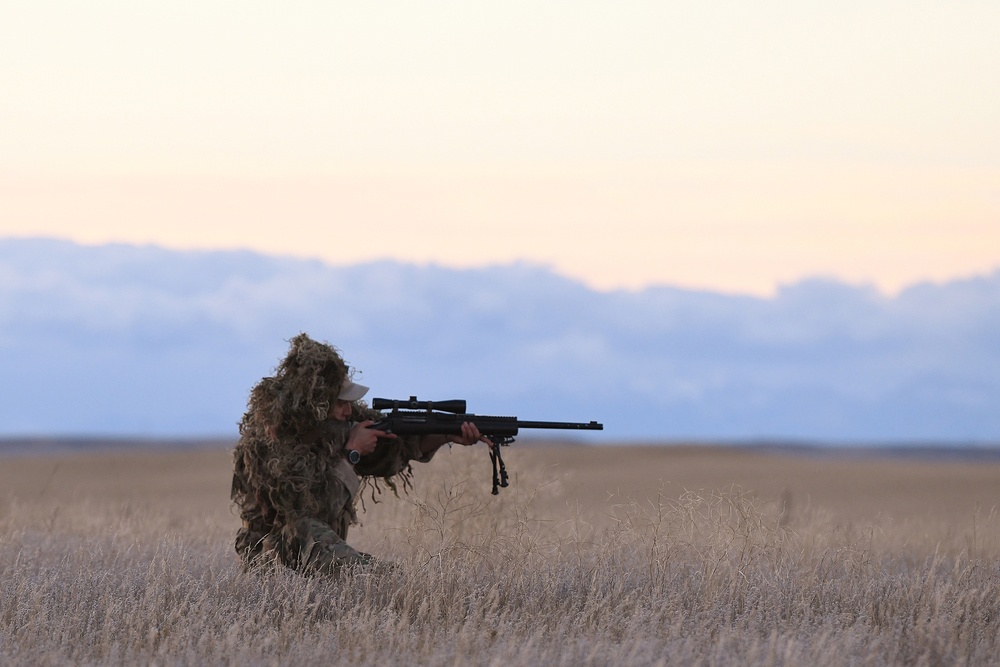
x=715 y=145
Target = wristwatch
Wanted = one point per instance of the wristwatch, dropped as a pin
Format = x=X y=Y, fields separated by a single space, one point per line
x=354 y=456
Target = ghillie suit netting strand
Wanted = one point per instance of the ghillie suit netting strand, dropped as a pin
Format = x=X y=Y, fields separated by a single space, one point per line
x=288 y=447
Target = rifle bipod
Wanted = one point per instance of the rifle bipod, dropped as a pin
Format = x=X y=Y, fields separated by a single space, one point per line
x=499 y=469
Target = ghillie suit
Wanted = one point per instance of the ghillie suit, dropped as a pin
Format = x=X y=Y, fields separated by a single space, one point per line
x=292 y=484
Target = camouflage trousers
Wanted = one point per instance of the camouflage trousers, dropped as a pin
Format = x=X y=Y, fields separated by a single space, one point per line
x=325 y=550
x=310 y=545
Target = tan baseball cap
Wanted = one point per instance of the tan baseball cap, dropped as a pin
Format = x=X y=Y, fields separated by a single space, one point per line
x=351 y=391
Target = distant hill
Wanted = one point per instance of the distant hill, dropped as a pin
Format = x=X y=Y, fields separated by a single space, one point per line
x=141 y=341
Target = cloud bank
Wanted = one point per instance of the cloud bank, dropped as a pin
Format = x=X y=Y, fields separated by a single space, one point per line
x=137 y=340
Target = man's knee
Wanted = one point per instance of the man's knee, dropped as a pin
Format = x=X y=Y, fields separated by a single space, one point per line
x=323 y=550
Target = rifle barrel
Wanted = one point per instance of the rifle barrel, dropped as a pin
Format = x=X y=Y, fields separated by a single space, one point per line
x=579 y=426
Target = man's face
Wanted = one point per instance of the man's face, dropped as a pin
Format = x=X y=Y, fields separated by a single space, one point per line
x=340 y=410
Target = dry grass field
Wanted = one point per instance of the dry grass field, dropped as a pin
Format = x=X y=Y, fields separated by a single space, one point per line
x=593 y=556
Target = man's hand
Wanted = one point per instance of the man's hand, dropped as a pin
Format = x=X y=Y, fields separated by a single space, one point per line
x=470 y=435
x=363 y=439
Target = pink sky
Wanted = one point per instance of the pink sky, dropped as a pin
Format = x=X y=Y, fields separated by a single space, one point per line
x=717 y=146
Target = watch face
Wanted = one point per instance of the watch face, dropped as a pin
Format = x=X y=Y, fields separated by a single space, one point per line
x=353 y=456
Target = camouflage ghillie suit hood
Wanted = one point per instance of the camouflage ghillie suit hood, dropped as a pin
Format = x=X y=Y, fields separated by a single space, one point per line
x=279 y=469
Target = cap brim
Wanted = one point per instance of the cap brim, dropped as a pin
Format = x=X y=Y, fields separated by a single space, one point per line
x=351 y=391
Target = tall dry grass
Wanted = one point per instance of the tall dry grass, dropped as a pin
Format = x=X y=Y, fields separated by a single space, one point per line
x=526 y=578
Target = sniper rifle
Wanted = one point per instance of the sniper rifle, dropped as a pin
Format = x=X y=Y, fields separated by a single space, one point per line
x=413 y=417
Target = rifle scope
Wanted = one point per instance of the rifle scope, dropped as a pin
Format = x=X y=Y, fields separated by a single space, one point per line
x=455 y=406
